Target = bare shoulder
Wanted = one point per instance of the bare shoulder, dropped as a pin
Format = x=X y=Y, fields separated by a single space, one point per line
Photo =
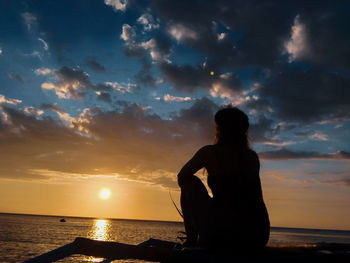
x=206 y=150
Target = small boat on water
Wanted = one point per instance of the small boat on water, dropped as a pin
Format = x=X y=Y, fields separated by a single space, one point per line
x=164 y=251
x=62 y=220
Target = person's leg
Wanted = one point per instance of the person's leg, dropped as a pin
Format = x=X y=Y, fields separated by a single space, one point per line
x=194 y=205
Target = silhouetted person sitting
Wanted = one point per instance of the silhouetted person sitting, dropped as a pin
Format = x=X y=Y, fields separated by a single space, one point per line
x=236 y=214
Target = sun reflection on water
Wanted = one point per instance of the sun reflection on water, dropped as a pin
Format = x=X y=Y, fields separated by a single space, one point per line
x=99 y=231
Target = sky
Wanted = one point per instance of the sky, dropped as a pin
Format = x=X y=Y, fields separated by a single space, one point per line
x=120 y=94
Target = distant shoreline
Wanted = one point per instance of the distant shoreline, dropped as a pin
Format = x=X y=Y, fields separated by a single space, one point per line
x=275 y=228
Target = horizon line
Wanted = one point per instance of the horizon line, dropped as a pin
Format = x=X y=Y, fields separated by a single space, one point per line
x=155 y=220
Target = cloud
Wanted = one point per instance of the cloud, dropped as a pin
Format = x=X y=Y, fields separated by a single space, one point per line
x=285 y=154
x=159 y=50
x=221 y=36
x=104 y=96
x=74 y=83
x=94 y=65
x=33 y=111
x=29 y=19
x=34 y=54
x=64 y=116
x=148 y=22
x=226 y=35
x=343 y=181
x=169 y=97
x=15 y=76
x=327 y=38
x=144 y=77
x=132 y=47
x=312 y=135
x=4 y=100
x=265 y=131
x=128 y=33
x=122 y=87
x=319 y=137
x=76 y=124
x=278 y=143
x=228 y=86
x=91 y=143
x=243 y=44
x=1 y=51
x=306 y=96
x=71 y=83
x=119 y=142
x=43 y=71
x=297 y=46
x=188 y=78
x=52 y=107
x=118 y=5
x=46 y=46
x=181 y=33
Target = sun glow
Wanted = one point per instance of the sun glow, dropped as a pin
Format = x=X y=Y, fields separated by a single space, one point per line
x=105 y=193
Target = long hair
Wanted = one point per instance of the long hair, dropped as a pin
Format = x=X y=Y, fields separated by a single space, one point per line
x=232 y=126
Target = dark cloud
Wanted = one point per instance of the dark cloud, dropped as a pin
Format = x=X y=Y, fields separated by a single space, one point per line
x=343 y=181
x=19 y=174
x=188 y=78
x=238 y=34
x=308 y=95
x=157 y=48
x=52 y=107
x=260 y=105
x=102 y=87
x=245 y=44
x=326 y=27
x=133 y=142
x=198 y=119
x=285 y=154
x=66 y=74
x=144 y=77
x=252 y=38
x=262 y=130
x=303 y=133
x=265 y=130
x=15 y=76
x=94 y=65
x=74 y=83
x=71 y=83
x=104 y=96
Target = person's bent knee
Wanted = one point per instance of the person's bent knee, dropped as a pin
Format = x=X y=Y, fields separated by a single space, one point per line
x=191 y=182
x=193 y=185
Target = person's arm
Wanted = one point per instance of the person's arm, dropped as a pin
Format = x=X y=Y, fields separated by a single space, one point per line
x=197 y=162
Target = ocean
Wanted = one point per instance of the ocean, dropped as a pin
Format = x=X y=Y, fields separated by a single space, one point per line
x=26 y=236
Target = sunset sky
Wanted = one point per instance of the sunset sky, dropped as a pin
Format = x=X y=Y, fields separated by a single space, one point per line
x=120 y=94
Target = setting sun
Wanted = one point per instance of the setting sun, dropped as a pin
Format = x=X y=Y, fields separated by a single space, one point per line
x=105 y=193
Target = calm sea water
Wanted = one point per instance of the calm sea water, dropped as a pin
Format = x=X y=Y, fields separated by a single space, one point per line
x=26 y=236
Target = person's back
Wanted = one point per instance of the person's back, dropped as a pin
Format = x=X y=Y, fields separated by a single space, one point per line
x=229 y=170
x=237 y=212
x=233 y=178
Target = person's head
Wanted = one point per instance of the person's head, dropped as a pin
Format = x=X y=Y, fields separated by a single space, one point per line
x=232 y=127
